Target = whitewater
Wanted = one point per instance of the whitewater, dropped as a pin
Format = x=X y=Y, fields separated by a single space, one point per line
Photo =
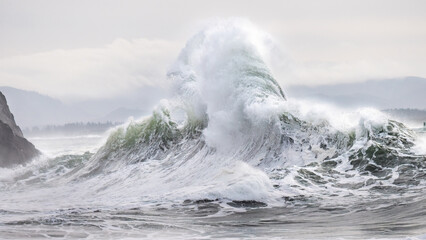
x=228 y=156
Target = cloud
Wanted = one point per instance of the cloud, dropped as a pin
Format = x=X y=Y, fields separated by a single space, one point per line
x=321 y=65
x=92 y=73
x=126 y=66
x=326 y=41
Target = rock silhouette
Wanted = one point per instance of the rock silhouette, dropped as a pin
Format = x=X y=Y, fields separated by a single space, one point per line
x=14 y=148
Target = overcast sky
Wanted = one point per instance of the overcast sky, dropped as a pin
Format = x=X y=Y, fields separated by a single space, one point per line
x=83 y=49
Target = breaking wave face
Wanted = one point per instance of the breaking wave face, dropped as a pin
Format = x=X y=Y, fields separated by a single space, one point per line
x=229 y=133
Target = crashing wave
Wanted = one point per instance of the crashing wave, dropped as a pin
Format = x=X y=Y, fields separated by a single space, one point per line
x=230 y=133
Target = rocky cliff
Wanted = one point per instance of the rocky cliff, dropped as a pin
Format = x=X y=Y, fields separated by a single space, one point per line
x=14 y=148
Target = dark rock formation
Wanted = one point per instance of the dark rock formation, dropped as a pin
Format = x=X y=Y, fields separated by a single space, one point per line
x=14 y=148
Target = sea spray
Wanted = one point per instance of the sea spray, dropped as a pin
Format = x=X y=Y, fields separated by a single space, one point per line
x=229 y=133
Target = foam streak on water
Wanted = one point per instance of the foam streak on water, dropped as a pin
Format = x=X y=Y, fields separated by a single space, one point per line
x=228 y=156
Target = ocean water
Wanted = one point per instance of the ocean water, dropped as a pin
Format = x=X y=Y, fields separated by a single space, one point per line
x=229 y=156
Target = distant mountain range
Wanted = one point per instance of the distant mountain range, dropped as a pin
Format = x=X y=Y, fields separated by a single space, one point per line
x=34 y=109
x=414 y=116
x=408 y=92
